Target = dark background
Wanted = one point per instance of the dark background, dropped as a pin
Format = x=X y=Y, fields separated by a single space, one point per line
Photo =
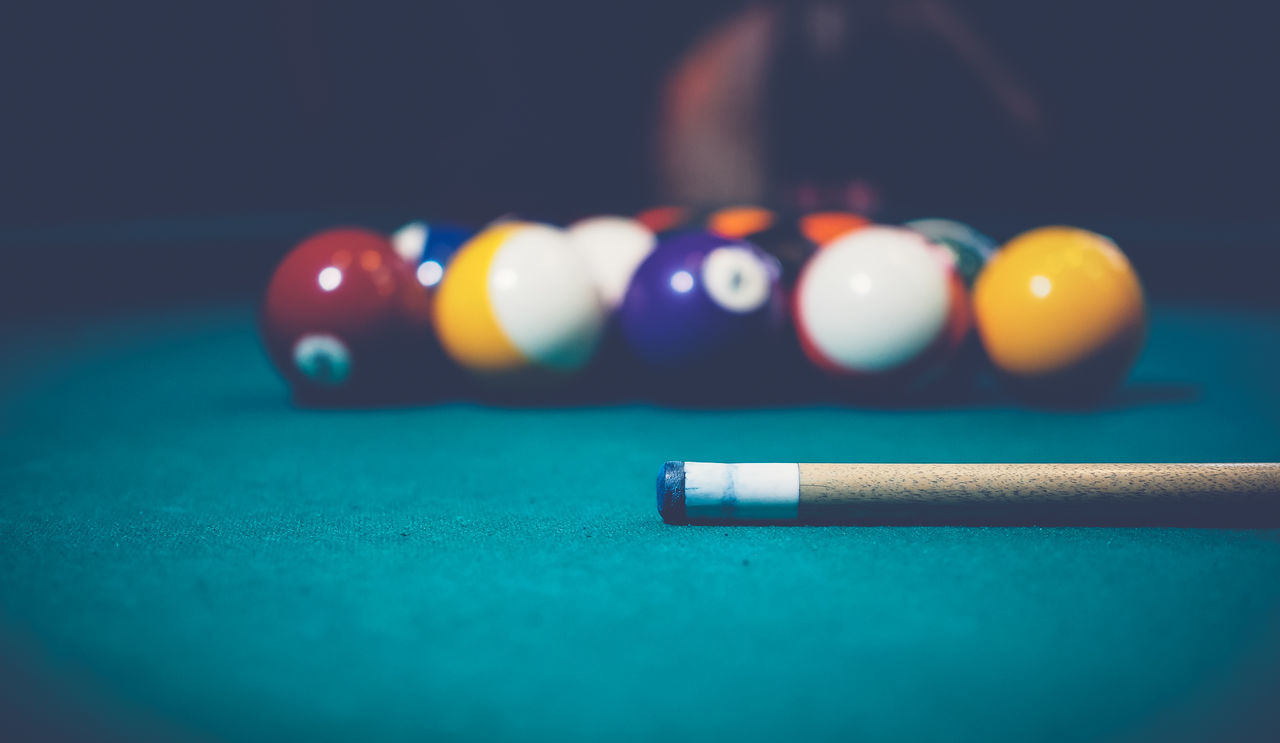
x=161 y=151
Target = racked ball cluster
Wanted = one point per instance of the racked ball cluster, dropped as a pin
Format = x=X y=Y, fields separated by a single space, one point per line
x=679 y=294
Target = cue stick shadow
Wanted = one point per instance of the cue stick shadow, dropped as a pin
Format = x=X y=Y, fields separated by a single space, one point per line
x=967 y=517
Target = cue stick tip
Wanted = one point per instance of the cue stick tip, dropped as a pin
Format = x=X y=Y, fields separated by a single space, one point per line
x=671 y=493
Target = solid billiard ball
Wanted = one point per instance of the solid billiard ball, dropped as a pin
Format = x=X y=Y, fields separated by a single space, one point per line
x=969 y=248
x=823 y=227
x=779 y=235
x=880 y=304
x=343 y=313
x=663 y=219
x=613 y=247
x=786 y=242
x=427 y=248
x=740 y=221
x=1060 y=312
x=700 y=298
x=517 y=300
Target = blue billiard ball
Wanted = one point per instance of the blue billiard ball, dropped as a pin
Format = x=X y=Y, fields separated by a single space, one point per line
x=427 y=247
x=701 y=297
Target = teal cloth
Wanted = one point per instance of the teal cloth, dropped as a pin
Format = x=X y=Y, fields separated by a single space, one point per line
x=195 y=552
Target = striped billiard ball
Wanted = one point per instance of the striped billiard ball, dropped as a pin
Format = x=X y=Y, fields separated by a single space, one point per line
x=428 y=247
x=880 y=304
x=518 y=300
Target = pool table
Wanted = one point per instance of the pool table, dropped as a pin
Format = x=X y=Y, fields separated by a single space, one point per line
x=185 y=555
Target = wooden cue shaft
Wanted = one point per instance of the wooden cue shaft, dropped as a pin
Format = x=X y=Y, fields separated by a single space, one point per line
x=1197 y=494
x=1245 y=495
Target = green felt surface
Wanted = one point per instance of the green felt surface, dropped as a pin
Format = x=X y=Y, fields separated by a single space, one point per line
x=189 y=547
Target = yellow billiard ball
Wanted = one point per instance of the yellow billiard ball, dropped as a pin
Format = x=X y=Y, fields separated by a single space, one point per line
x=1060 y=311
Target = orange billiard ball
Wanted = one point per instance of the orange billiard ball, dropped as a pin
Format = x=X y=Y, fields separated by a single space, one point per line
x=823 y=227
x=1060 y=312
x=741 y=221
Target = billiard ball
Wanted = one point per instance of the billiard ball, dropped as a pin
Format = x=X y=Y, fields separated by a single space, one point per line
x=1060 y=312
x=427 y=248
x=740 y=221
x=343 y=314
x=784 y=241
x=823 y=227
x=612 y=247
x=882 y=305
x=662 y=219
x=969 y=248
x=777 y=234
x=702 y=298
x=518 y=300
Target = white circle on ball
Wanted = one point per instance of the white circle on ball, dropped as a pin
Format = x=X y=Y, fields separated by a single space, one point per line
x=736 y=279
x=322 y=358
x=544 y=298
x=874 y=299
x=613 y=248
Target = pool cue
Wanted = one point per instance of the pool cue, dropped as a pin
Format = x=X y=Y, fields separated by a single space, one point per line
x=1216 y=495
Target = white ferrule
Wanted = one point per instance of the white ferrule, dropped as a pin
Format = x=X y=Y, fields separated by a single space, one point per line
x=737 y=492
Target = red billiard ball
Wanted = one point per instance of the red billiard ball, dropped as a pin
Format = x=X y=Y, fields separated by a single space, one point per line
x=663 y=219
x=344 y=313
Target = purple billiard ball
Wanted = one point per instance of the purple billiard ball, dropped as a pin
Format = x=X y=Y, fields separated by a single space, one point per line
x=700 y=298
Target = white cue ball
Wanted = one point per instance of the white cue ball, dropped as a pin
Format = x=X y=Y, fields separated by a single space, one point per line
x=873 y=301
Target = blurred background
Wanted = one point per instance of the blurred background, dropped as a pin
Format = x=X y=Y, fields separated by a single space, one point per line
x=160 y=152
